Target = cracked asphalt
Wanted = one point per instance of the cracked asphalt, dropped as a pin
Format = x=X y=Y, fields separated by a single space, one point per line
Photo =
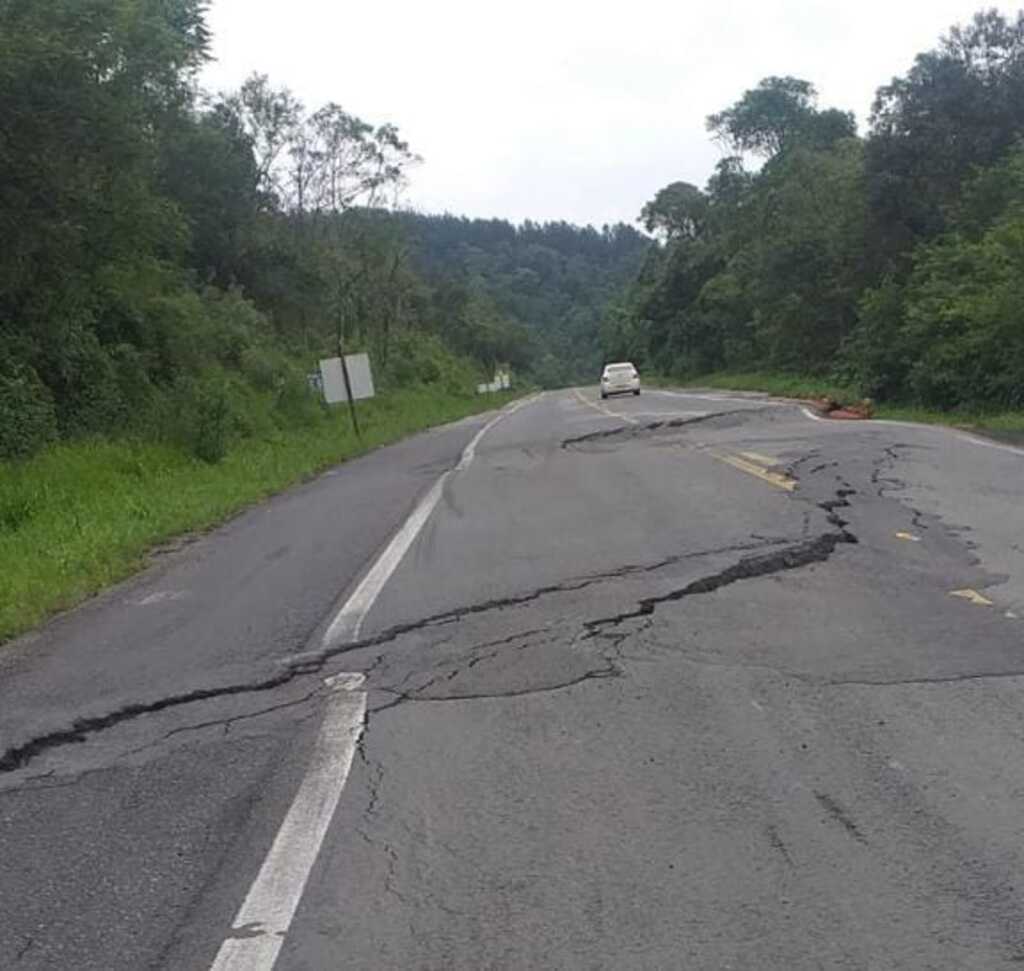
x=682 y=681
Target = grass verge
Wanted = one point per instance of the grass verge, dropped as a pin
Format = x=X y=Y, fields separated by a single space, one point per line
x=81 y=516
x=783 y=385
x=1007 y=426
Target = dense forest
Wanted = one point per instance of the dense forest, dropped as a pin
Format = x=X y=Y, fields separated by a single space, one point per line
x=893 y=262
x=174 y=262
x=553 y=280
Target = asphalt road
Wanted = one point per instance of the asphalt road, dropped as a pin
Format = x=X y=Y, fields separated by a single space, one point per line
x=678 y=681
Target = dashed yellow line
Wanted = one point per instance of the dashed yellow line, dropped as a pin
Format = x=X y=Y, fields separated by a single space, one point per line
x=973 y=596
x=603 y=410
x=759 y=458
x=776 y=479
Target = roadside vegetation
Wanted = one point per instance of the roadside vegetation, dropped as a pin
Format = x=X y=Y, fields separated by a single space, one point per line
x=174 y=264
x=1007 y=426
x=888 y=265
x=83 y=514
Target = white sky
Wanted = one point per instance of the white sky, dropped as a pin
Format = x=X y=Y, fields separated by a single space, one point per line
x=566 y=109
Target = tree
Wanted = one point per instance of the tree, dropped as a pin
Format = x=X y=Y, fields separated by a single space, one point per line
x=774 y=115
x=677 y=212
x=949 y=333
x=351 y=161
x=207 y=167
x=86 y=93
x=272 y=120
x=961 y=105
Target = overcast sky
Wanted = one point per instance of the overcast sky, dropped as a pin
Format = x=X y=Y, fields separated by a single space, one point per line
x=565 y=109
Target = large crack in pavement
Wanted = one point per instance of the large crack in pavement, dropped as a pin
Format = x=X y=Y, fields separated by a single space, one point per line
x=18 y=756
x=736 y=416
x=816 y=550
x=309 y=663
x=792 y=557
x=789 y=557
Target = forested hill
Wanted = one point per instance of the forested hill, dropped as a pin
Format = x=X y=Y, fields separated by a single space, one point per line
x=891 y=261
x=175 y=261
x=555 y=279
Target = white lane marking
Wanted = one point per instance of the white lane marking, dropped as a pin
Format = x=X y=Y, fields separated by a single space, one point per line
x=974 y=440
x=963 y=436
x=161 y=596
x=603 y=410
x=349 y=620
x=346 y=681
x=266 y=914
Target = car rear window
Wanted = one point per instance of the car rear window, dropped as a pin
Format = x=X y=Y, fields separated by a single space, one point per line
x=619 y=367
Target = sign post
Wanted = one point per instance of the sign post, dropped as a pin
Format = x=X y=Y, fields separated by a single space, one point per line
x=347 y=377
x=348 y=391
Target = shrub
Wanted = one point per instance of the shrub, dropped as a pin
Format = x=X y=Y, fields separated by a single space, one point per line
x=263 y=369
x=295 y=403
x=84 y=382
x=418 y=358
x=233 y=325
x=28 y=419
x=213 y=420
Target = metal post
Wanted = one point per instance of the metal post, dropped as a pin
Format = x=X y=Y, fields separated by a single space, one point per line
x=348 y=388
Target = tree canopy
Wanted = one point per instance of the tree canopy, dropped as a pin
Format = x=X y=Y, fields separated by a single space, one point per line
x=169 y=252
x=890 y=261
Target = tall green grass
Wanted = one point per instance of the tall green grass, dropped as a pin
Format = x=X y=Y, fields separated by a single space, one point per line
x=80 y=516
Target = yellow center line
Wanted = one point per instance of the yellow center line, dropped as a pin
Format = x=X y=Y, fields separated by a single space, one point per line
x=603 y=410
x=759 y=458
x=973 y=596
x=776 y=479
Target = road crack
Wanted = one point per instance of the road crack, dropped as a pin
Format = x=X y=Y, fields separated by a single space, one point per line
x=839 y=814
x=19 y=755
x=415 y=696
x=816 y=550
x=640 y=431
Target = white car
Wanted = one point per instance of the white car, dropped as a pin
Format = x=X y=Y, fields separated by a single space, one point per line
x=620 y=379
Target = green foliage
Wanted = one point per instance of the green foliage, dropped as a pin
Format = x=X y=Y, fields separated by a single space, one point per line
x=874 y=357
x=890 y=264
x=522 y=295
x=950 y=335
x=81 y=515
x=28 y=419
x=962 y=320
x=679 y=211
x=211 y=424
x=295 y=405
x=778 y=114
x=424 y=360
x=960 y=106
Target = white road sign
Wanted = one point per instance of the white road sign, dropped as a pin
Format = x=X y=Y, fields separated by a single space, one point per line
x=359 y=375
